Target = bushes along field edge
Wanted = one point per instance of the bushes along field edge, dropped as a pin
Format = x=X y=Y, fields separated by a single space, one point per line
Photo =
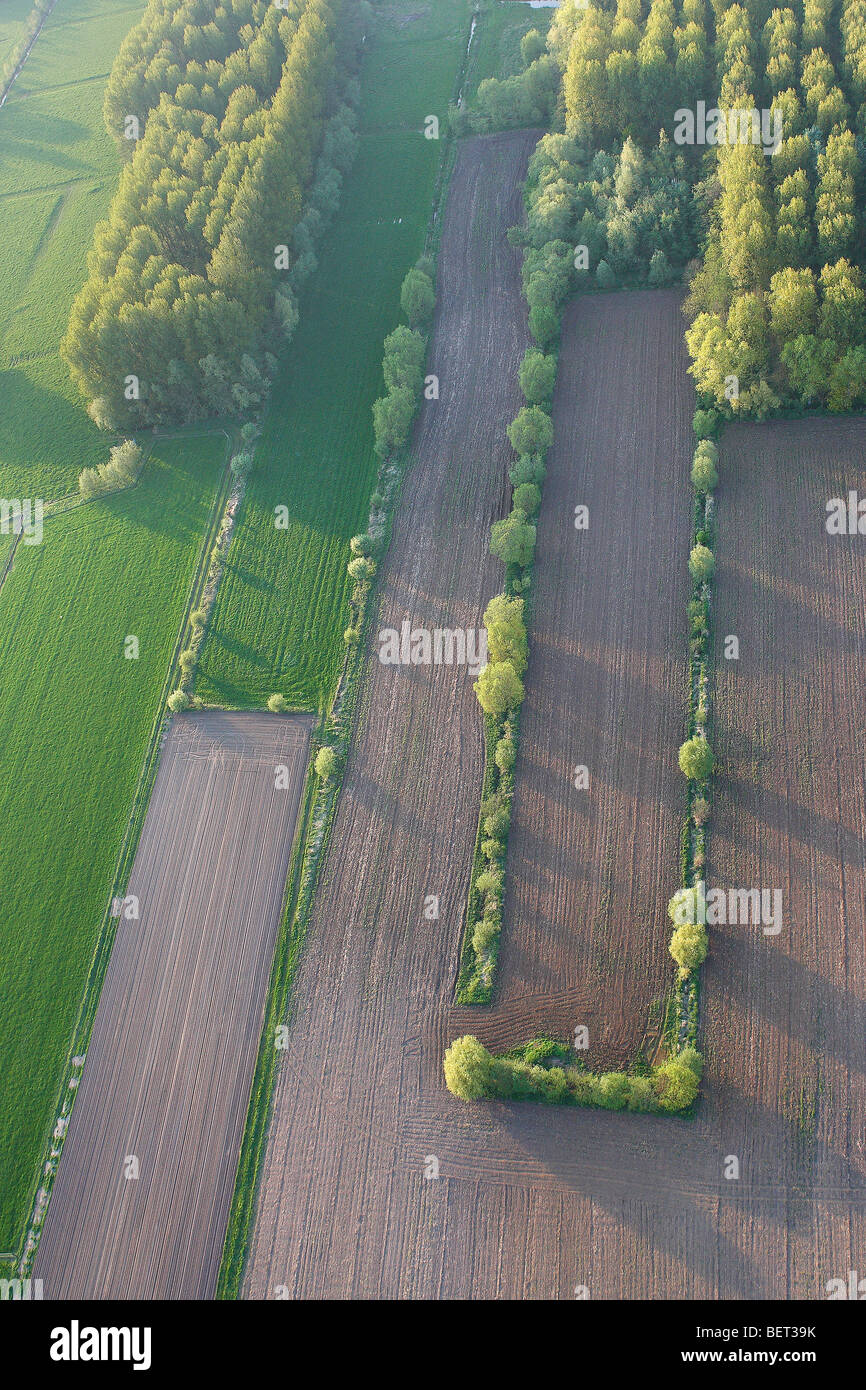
x=500 y=692
x=552 y=1077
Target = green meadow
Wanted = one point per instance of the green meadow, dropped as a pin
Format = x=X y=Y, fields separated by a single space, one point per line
x=76 y=716
x=283 y=603
x=13 y=22
x=57 y=174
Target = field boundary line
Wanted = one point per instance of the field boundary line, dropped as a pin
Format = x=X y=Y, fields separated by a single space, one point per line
x=8 y=84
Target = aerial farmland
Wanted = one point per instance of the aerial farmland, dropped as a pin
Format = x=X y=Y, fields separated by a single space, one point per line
x=432 y=642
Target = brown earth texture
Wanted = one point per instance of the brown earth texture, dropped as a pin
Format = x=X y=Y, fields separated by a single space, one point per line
x=375 y=1181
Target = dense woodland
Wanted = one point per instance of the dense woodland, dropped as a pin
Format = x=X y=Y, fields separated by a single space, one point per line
x=237 y=123
x=769 y=238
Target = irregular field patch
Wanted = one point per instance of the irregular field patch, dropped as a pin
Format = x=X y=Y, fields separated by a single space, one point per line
x=171 y=1056
x=76 y=716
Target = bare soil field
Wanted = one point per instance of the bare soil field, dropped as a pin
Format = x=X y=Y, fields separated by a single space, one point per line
x=530 y=1202
x=786 y=1013
x=174 y=1043
x=586 y=933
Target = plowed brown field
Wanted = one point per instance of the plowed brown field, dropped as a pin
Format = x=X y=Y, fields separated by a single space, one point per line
x=530 y=1202
x=590 y=871
x=171 y=1058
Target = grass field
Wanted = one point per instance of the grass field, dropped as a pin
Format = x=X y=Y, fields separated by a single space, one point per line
x=283 y=603
x=76 y=716
x=13 y=22
x=57 y=176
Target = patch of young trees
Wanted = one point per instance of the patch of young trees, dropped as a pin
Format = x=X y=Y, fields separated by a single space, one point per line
x=777 y=307
x=121 y=470
x=526 y=99
x=240 y=132
x=403 y=363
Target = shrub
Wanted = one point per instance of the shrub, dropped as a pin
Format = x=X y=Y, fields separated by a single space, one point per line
x=555 y=1086
x=178 y=700
x=544 y=324
x=363 y=544
x=687 y=905
x=505 y=755
x=696 y=759
x=198 y=617
x=512 y=540
x=537 y=376
x=241 y=464
x=361 y=568
x=326 y=762
x=702 y=563
x=403 y=363
x=677 y=1080
x=660 y=273
x=604 y=276
x=417 y=296
x=495 y=818
x=532 y=46
x=468 y=1069
x=499 y=689
x=706 y=448
x=529 y=468
x=506 y=632
x=531 y=431
x=101 y=413
x=277 y=704
x=705 y=423
x=704 y=474
x=119 y=471
x=490 y=881
x=643 y=1097
x=700 y=810
x=392 y=420
x=688 y=946
x=351 y=636
x=613 y=1090
x=527 y=498
x=484 y=933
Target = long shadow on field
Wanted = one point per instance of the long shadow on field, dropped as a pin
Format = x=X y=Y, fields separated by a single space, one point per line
x=791 y=819
x=759 y=975
x=666 y=1182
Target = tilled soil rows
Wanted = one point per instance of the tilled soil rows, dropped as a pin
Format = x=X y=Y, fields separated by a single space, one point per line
x=786 y=1010
x=168 y=1071
x=590 y=869
x=375 y=1181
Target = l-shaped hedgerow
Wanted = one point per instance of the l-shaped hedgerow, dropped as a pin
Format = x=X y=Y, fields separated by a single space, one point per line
x=545 y=1069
